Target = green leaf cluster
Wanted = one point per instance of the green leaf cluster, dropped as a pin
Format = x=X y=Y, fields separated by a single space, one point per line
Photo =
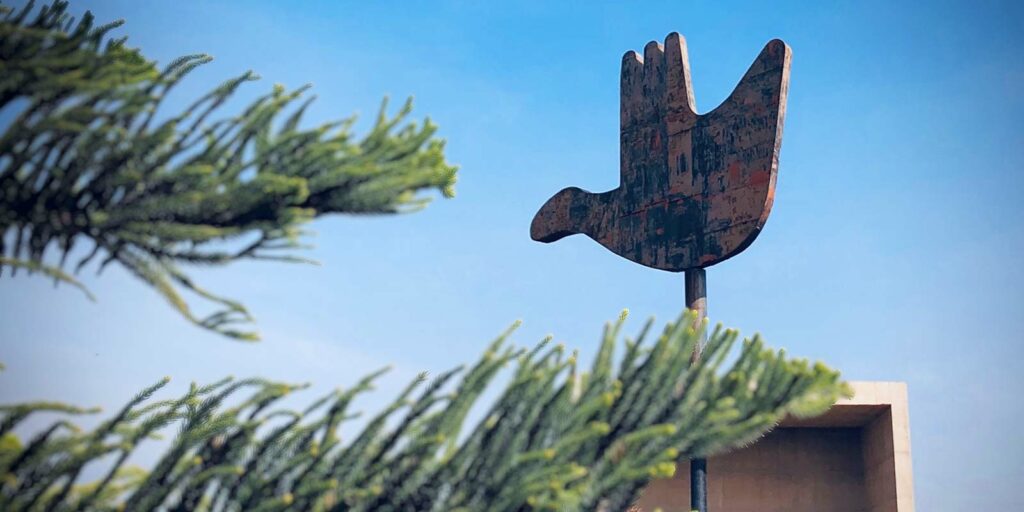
x=90 y=159
x=557 y=437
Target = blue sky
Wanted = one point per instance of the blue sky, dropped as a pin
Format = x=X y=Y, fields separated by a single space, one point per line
x=893 y=251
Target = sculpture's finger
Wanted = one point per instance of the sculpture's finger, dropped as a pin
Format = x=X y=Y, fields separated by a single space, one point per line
x=680 y=114
x=654 y=70
x=631 y=89
x=679 y=99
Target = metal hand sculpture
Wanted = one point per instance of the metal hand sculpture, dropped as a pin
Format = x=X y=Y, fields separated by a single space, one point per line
x=695 y=189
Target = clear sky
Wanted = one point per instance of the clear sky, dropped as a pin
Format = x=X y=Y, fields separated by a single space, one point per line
x=893 y=252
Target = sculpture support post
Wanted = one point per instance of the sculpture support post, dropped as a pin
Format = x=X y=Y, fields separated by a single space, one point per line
x=694 y=190
x=697 y=300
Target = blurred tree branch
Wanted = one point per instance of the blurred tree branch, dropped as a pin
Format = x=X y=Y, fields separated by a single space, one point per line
x=86 y=161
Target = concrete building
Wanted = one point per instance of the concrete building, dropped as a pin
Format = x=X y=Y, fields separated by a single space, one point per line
x=855 y=458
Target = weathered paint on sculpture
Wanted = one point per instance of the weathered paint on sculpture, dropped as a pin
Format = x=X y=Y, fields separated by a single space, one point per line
x=695 y=189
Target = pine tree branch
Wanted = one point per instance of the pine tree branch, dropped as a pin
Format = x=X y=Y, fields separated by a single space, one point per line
x=553 y=439
x=87 y=158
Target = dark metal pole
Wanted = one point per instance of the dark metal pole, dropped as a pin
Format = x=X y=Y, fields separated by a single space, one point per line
x=699 y=485
x=697 y=299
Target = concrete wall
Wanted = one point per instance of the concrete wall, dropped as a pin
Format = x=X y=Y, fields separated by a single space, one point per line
x=856 y=458
x=790 y=470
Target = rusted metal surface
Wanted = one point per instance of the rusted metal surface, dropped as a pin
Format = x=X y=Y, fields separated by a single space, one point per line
x=694 y=189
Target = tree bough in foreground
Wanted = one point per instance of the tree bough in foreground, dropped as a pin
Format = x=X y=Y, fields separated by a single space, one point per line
x=86 y=160
x=556 y=438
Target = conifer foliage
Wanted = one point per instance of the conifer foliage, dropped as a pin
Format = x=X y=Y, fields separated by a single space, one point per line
x=90 y=159
x=556 y=438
